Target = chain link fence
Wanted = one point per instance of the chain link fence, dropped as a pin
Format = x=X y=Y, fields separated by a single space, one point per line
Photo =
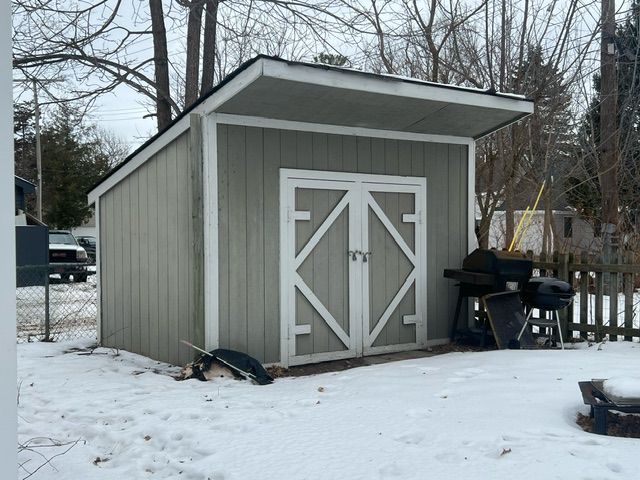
x=56 y=302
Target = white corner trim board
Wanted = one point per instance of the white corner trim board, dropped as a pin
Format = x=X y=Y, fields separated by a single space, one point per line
x=472 y=241
x=98 y=281
x=210 y=214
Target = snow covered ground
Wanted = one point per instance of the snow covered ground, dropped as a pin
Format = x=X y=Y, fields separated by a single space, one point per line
x=490 y=415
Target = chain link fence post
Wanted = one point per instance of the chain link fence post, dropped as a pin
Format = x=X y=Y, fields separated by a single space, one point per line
x=56 y=302
x=47 y=317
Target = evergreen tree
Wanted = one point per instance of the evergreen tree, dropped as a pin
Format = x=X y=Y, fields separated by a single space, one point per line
x=548 y=139
x=512 y=164
x=25 y=142
x=74 y=158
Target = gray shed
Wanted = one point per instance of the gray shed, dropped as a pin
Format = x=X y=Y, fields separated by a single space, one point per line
x=298 y=213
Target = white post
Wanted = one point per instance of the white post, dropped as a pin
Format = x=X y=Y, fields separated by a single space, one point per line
x=8 y=419
x=210 y=198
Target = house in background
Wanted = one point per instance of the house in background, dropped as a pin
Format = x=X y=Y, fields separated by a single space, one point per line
x=22 y=188
x=570 y=232
x=32 y=237
x=298 y=213
x=87 y=229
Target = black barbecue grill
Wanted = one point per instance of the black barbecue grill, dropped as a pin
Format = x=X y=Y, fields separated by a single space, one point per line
x=547 y=294
x=489 y=271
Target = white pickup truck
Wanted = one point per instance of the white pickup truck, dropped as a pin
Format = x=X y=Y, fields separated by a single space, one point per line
x=66 y=257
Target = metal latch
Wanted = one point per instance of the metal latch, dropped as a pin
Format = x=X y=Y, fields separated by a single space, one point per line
x=354 y=254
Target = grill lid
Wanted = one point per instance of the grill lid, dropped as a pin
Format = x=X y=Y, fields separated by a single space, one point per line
x=547 y=293
x=511 y=266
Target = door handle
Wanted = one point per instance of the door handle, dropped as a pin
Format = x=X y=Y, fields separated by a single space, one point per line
x=354 y=254
x=365 y=255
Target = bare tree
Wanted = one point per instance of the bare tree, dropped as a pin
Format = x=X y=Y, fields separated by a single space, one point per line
x=161 y=63
x=489 y=44
x=100 y=45
x=172 y=51
x=209 y=44
x=523 y=156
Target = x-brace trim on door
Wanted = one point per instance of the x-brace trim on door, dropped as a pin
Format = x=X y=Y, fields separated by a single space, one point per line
x=370 y=202
x=322 y=229
x=390 y=228
x=411 y=278
x=302 y=256
x=322 y=310
x=352 y=332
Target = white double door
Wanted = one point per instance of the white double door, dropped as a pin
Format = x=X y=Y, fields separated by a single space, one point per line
x=353 y=267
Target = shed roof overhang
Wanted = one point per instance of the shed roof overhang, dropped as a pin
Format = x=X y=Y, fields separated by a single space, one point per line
x=275 y=89
x=315 y=93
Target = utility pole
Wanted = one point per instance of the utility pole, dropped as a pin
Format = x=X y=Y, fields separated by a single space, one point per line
x=38 y=148
x=34 y=84
x=608 y=169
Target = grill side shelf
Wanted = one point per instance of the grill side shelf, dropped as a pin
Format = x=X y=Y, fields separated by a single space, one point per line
x=473 y=278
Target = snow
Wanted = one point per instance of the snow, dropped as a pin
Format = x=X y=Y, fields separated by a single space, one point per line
x=623 y=387
x=493 y=415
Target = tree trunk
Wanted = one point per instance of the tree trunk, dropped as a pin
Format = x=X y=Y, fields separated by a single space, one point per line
x=608 y=168
x=547 y=221
x=161 y=64
x=503 y=46
x=194 y=24
x=509 y=213
x=209 y=47
x=508 y=164
x=484 y=229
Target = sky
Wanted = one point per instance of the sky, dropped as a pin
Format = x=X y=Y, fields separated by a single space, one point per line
x=120 y=112
x=123 y=113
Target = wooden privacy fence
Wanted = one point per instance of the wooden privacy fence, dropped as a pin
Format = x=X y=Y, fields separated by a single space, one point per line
x=605 y=302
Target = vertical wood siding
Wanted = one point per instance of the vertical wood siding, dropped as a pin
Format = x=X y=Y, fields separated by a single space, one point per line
x=249 y=162
x=148 y=264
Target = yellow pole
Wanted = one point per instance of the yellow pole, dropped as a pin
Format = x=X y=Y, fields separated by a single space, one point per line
x=515 y=235
x=535 y=205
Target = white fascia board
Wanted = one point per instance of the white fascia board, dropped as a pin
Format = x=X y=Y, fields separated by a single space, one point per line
x=393 y=76
x=231 y=89
x=236 y=85
x=390 y=86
